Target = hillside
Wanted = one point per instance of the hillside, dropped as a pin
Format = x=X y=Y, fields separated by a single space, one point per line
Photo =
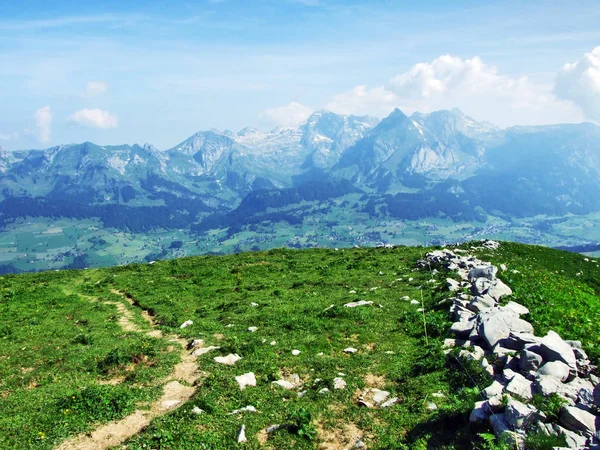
x=331 y=175
x=83 y=348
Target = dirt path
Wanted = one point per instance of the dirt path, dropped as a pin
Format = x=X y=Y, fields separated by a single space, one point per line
x=178 y=388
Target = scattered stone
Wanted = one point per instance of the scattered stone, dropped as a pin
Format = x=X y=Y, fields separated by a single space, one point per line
x=556 y=369
x=186 y=324
x=553 y=348
x=352 y=292
x=415 y=302
x=272 y=343
x=252 y=329
x=521 y=387
x=519 y=415
x=228 y=360
x=431 y=406
x=452 y=285
x=324 y=391
x=529 y=361
x=481 y=412
x=516 y=308
x=392 y=401
x=359 y=444
x=254 y=304
x=574 y=440
x=578 y=420
x=241 y=438
x=247 y=379
x=284 y=384
x=197 y=411
x=462 y=329
x=438 y=395
x=488 y=272
x=379 y=396
x=248 y=408
x=359 y=303
x=203 y=350
x=498 y=290
x=296 y=352
x=350 y=350
x=195 y=343
x=272 y=428
x=339 y=383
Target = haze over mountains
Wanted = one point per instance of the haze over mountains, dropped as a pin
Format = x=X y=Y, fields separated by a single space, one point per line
x=444 y=155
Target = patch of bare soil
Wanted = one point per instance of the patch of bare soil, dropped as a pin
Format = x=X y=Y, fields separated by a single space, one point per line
x=342 y=437
x=178 y=388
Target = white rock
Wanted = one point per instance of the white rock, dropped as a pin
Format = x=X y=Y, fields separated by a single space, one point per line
x=350 y=350
x=521 y=387
x=480 y=413
x=228 y=360
x=556 y=369
x=248 y=408
x=247 y=379
x=254 y=304
x=379 y=396
x=553 y=348
x=203 y=350
x=324 y=391
x=415 y=302
x=431 y=406
x=516 y=308
x=359 y=303
x=284 y=384
x=578 y=420
x=518 y=414
x=241 y=438
x=352 y=292
x=493 y=390
x=186 y=324
x=197 y=411
x=339 y=383
x=195 y=343
x=252 y=329
x=272 y=343
x=296 y=352
x=390 y=402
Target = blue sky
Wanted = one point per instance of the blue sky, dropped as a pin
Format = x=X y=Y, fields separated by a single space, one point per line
x=147 y=71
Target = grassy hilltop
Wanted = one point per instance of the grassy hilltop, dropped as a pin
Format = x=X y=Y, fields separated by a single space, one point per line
x=82 y=348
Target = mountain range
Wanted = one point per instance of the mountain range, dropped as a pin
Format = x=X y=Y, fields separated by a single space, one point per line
x=444 y=163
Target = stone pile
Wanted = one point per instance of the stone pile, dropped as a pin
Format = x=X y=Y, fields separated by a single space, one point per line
x=520 y=363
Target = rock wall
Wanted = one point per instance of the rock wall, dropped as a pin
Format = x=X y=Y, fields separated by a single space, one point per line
x=520 y=364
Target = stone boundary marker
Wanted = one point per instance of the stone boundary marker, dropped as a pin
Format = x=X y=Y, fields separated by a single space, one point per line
x=520 y=363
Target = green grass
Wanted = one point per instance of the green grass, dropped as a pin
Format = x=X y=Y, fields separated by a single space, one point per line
x=55 y=349
x=73 y=342
x=561 y=290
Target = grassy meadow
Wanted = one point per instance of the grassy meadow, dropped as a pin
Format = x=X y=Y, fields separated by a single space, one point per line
x=67 y=365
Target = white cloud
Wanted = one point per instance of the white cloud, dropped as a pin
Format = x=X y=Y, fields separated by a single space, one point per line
x=95 y=118
x=43 y=123
x=361 y=100
x=290 y=115
x=95 y=88
x=580 y=83
x=470 y=84
x=8 y=136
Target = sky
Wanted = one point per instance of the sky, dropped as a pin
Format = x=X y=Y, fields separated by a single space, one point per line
x=115 y=72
